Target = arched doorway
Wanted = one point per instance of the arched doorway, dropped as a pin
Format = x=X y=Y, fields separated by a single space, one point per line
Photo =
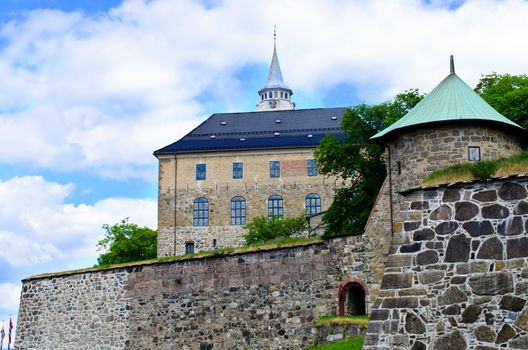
x=352 y=297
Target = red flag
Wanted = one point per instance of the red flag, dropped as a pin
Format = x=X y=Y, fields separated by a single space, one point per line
x=9 y=336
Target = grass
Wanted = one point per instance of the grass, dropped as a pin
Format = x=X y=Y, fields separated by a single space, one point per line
x=357 y=320
x=354 y=343
x=268 y=245
x=482 y=170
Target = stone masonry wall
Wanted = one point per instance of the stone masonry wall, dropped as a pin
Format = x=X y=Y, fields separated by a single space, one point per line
x=262 y=300
x=457 y=275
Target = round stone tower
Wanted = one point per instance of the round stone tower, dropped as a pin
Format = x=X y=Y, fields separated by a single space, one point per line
x=451 y=125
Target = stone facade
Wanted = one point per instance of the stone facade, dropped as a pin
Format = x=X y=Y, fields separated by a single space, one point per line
x=175 y=207
x=457 y=276
x=262 y=300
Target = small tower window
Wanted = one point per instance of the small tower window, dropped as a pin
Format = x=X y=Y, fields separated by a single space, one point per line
x=474 y=153
x=189 y=248
x=275 y=93
x=399 y=168
x=286 y=95
x=282 y=94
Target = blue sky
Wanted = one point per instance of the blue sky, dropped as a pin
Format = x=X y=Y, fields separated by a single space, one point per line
x=89 y=89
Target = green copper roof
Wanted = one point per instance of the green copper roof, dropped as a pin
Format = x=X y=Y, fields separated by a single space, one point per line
x=451 y=100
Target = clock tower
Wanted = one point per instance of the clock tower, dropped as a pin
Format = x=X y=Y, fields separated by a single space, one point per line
x=275 y=95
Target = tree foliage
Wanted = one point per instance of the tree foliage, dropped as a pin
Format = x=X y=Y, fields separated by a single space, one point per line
x=508 y=94
x=262 y=229
x=126 y=242
x=358 y=161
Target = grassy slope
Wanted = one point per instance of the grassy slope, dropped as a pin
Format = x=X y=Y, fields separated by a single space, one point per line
x=358 y=320
x=482 y=170
x=354 y=343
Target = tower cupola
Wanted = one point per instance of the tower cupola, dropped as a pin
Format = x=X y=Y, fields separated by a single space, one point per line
x=275 y=95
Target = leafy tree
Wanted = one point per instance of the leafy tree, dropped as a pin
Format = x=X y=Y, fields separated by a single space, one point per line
x=262 y=229
x=358 y=161
x=508 y=94
x=125 y=242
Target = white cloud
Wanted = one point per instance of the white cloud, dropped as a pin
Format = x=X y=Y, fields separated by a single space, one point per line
x=101 y=93
x=38 y=225
x=10 y=296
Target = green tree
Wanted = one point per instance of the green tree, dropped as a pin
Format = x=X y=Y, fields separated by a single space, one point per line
x=508 y=94
x=262 y=229
x=125 y=242
x=358 y=161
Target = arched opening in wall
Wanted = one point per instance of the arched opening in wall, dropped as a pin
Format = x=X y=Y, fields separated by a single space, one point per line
x=352 y=300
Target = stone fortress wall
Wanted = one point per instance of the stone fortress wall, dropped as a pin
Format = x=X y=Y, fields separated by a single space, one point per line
x=175 y=208
x=261 y=300
x=457 y=276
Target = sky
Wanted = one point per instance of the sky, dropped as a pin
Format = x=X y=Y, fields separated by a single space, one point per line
x=89 y=89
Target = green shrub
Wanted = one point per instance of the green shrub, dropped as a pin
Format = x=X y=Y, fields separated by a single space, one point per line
x=484 y=169
x=262 y=229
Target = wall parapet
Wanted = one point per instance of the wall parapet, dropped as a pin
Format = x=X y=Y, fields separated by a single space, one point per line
x=251 y=300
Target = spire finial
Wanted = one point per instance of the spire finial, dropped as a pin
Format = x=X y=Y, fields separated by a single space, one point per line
x=452 y=65
x=274 y=36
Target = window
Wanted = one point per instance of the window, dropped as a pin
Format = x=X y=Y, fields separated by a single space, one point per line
x=238 y=211
x=274 y=168
x=285 y=95
x=399 y=168
x=201 y=212
x=275 y=94
x=313 y=204
x=200 y=172
x=275 y=206
x=189 y=248
x=214 y=243
x=282 y=94
x=474 y=153
x=311 y=167
x=238 y=170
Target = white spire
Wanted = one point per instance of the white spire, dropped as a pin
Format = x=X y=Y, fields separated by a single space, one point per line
x=275 y=95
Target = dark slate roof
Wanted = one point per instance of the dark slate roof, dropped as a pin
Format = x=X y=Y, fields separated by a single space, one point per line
x=258 y=130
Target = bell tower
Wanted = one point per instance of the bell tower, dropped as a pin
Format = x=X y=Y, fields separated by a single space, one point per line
x=275 y=95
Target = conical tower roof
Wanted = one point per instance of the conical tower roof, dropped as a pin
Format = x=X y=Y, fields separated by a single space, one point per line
x=275 y=75
x=451 y=100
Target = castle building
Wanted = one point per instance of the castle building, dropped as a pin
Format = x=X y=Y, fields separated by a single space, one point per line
x=236 y=166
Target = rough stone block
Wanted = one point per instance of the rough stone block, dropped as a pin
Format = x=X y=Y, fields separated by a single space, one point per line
x=472 y=267
x=411 y=248
x=400 y=303
x=522 y=320
x=397 y=280
x=413 y=324
x=491 y=283
x=519 y=343
x=521 y=208
x=511 y=226
x=479 y=228
x=458 y=249
x=430 y=277
x=427 y=257
x=452 y=295
x=451 y=341
x=419 y=205
x=465 y=211
x=399 y=260
x=446 y=227
x=506 y=332
x=485 y=196
x=411 y=225
x=451 y=195
x=423 y=235
x=517 y=248
x=511 y=191
x=492 y=249
x=512 y=303
x=443 y=212
x=495 y=211
x=471 y=314
x=485 y=333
